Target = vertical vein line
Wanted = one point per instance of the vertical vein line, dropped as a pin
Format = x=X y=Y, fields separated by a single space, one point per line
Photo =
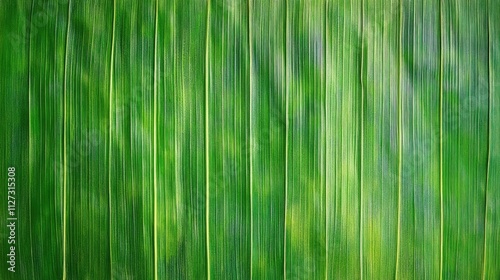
x=176 y=101
x=400 y=137
x=326 y=132
x=111 y=70
x=251 y=129
x=488 y=146
x=155 y=146
x=30 y=144
x=207 y=162
x=65 y=141
x=441 y=230
x=361 y=120
x=286 y=137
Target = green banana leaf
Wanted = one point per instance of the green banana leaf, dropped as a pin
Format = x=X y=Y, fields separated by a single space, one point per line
x=231 y=139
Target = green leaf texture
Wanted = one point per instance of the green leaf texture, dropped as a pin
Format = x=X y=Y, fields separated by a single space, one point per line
x=232 y=139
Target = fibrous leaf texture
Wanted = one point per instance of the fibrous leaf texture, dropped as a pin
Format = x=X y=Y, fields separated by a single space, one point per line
x=232 y=139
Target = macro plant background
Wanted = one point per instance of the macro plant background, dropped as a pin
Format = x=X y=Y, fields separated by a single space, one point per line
x=300 y=139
